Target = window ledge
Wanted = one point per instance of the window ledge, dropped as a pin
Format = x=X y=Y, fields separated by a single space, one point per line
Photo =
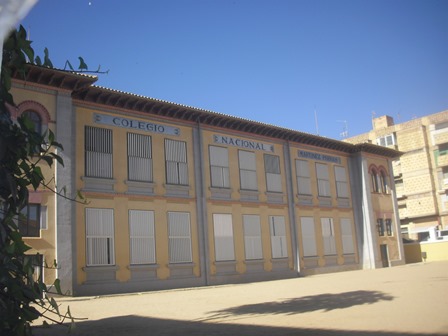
x=249 y=195
x=143 y=267
x=177 y=190
x=100 y=268
x=98 y=184
x=220 y=193
x=275 y=196
x=140 y=187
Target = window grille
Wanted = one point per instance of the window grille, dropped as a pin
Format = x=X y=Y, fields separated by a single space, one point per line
x=179 y=237
x=139 y=158
x=380 y=226
x=223 y=232
x=389 y=226
x=142 y=241
x=100 y=237
x=98 y=151
x=176 y=162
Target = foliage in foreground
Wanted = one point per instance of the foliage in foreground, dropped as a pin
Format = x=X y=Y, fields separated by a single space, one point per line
x=23 y=298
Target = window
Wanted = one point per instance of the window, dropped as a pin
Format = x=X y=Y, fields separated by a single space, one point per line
x=252 y=237
x=139 y=158
x=176 y=162
x=384 y=178
x=389 y=226
x=100 y=237
x=308 y=236
x=375 y=180
x=248 y=172
x=35 y=119
x=323 y=180
x=328 y=236
x=223 y=232
x=273 y=177
x=141 y=232
x=387 y=140
x=380 y=226
x=347 y=237
x=303 y=177
x=443 y=149
x=278 y=237
x=219 y=167
x=341 y=181
x=29 y=221
x=98 y=151
x=179 y=237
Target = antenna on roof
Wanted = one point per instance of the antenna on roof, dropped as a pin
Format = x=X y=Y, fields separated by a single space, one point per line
x=315 y=120
x=344 y=133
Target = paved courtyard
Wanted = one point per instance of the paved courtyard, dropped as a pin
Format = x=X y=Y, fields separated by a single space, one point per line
x=405 y=300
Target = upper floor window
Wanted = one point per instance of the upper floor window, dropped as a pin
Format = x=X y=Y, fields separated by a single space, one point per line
x=29 y=221
x=139 y=157
x=35 y=119
x=176 y=162
x=219 y=167
x=323 y=180
x=375 y=179
x=303 y=177
x=98 y=152
x=248 y=170
x=273 y=177
x=341 y=181
x=384 y=182
x=386 y=140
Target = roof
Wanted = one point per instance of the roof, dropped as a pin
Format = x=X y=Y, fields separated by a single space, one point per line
x=83 y=90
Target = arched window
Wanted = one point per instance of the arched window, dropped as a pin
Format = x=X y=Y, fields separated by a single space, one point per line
x=384 y=182
x=35 y=119
x=375 y=180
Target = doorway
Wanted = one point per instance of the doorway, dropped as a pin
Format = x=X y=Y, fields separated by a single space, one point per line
x=384 y=255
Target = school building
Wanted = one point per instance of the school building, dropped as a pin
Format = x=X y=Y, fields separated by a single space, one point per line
x=178 y=196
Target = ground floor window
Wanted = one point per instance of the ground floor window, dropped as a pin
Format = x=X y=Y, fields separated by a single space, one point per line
x=278 y=236
x=141 y=233
x=223 y=233
x=308 y=236
x=100 y=237
x=179 y=237
x=252 y=237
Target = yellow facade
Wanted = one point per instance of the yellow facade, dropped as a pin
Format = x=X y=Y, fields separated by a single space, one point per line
x=178 y=196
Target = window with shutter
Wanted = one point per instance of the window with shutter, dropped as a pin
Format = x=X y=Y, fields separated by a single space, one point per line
x=179 y=237
x=248 y=170
x=303 y=177
x=142 y=241
x=273 y=176
x=223 y=233
x=328 y=236
x=323 y=180
x=278 y=237
x=98 y=152
x=252 y=237
x=100 y=237
x=139 y=158
x=308 y=236
x=176 y=162
x=219 y=167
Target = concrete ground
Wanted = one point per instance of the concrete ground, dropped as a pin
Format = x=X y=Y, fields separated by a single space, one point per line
x=404 y=300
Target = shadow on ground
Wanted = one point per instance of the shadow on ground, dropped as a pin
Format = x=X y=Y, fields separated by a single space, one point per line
x=306 y=304
x=139 y=326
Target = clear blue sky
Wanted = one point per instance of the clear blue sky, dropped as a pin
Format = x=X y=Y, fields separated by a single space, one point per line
x=272 y=61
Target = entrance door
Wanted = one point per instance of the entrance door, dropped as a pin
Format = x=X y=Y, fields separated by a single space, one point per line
x=384 y=255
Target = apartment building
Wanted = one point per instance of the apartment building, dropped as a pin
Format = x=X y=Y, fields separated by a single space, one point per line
x=421 y=173
x=178 y=196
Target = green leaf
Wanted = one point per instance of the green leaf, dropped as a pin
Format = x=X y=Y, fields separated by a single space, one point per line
x=57 y=286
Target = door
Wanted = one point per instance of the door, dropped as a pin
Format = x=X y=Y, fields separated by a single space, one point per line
x=384 y=255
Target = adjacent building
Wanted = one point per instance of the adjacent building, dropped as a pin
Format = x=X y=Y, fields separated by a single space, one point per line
x=421 y=173
x=178 y=196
